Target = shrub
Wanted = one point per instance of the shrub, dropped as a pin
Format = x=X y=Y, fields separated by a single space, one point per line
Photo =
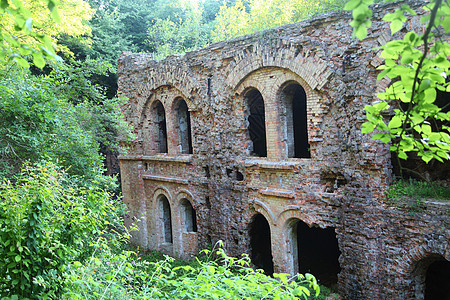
x=125 y=276
x=46 y=222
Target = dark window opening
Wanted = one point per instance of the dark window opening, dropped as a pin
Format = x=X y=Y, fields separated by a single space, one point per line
x=239 y=176
x=207 y=173
x=161 y=130
x=256 y=123
x=208 y=203
x=184 y=127
x=260 y=244
x=318 y=253
x=294 y=117
x=166 y=219
x=190 y=218
x=437 y=281
x=229 y=172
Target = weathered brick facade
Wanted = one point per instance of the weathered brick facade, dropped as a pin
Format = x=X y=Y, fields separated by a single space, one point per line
x=384 y=251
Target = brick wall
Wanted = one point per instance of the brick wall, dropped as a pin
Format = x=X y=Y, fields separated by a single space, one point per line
x=341 y=186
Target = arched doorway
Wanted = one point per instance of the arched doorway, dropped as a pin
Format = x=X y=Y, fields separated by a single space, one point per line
x=166 y=219
x=294 y=121
x=256 y=122
x=316 y=251
x=260 y=244
x=437 y=278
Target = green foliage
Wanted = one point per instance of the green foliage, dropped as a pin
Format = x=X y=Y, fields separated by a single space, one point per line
x=126 y=276
x=413 y=189
x=237 y=20
x=13 y=46
x=179 y=32
x=418 y=66
x=42 y=119
x=46 y=222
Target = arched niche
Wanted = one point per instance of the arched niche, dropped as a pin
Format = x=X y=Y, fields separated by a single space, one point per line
x=165 y=219
x=188 y=215
x=256 y=123
x=160 y=127
x=183 y=126
x=294 y=120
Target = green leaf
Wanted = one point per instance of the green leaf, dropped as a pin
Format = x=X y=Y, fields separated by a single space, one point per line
x=352 y=4
x=38 y=60
x=361 y=32
x=18 y=258
x=22 y=62
x=395 y=122
x=396 y=25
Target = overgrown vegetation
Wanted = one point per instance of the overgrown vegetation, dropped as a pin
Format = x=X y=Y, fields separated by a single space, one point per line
x=48 y=219
x=417 y=190
x=216 y=276
x=61 y=240
x=418 y=68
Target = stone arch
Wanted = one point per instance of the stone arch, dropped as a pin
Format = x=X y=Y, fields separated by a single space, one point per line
x=159 y=126
x=293 y=212
x=293 y=115
x=163 y=212
x=305 y=63
x=263 y=209
x=187 y=209
x=146 y=100
x=270 y=82
x=182 y=120
x=256 y=122
x=414 y=264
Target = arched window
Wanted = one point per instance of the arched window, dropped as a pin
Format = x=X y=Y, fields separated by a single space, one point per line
x=166 y=219
x=160 y=128
x=260 y=244
x=184 y=127
x=294 y=121
x=189 y=216
x=256 y=123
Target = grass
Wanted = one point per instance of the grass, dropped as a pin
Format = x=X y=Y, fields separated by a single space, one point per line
x=417 y=190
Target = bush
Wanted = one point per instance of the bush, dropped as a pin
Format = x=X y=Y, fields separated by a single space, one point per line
x=46 y=222
x=126 y=276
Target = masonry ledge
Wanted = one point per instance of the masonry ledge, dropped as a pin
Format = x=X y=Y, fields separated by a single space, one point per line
x=165 y=179
x=280 y=165
x=186 y=158
x=278 y=193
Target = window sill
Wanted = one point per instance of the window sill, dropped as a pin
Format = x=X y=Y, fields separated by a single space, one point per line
x=182 y=158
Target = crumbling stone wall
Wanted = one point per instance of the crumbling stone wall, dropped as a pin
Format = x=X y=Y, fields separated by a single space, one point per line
x=384 y=251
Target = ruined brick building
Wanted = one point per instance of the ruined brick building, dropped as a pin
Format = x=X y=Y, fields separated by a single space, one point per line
x=257 y=141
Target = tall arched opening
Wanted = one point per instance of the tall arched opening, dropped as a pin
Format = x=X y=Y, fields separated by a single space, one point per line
x=316 y=251
x=256 y=123
x=294 y=120
x=437 y=280
x=431 y=276
x=160 y=128
x=183 y=127
x=260 y=244
x=189 y=216
x=166 y=219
